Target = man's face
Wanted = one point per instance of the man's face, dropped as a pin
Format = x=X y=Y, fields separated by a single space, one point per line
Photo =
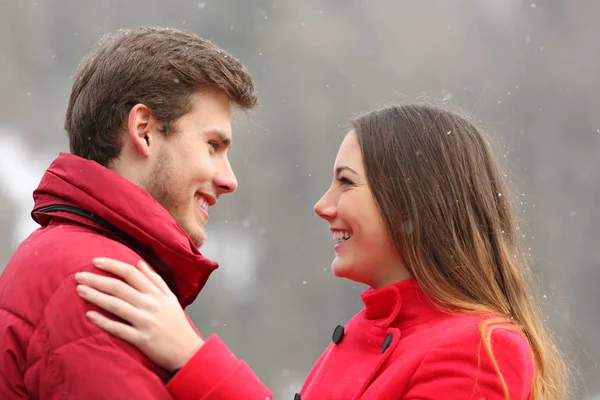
x=191 y=169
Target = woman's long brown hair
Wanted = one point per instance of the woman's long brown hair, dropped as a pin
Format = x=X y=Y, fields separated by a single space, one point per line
x=434 y=170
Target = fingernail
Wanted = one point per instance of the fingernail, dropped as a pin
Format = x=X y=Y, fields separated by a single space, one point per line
x=99 y=261
x=81 y=289
x=90 y=314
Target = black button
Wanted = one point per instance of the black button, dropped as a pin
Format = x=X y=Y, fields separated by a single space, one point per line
x=297 y=396
x=338 y=334
x=386 y=342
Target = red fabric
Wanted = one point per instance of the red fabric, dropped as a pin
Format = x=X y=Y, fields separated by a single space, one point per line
x=432 y=355
x=48 y=349
x=215 y=373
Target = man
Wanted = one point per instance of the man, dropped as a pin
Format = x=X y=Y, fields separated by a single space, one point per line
x=149 y=127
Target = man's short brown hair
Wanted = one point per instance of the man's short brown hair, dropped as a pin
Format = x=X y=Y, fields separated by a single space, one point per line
x=158 y=67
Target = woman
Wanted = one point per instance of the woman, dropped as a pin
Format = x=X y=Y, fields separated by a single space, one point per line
x=420 y=212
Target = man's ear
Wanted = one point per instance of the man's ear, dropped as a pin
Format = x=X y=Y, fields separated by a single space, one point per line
x=141 y=128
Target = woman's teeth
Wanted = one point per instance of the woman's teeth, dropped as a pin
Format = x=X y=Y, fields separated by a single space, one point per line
x=341 y=236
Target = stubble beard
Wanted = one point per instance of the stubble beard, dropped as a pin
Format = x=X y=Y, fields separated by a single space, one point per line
x=167 y=190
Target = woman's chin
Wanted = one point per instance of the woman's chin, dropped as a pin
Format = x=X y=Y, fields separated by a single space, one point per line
x=340 y=269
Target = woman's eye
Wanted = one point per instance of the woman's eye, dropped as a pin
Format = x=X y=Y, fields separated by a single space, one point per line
x=345 y=181
x=215 y=145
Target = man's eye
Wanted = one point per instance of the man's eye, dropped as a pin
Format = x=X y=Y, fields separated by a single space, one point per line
x=215 y=145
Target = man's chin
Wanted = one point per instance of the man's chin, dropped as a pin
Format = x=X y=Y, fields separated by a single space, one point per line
x=199 y=240
x=196 y=233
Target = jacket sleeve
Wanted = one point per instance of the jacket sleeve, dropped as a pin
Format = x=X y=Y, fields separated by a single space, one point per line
x=214 y=372
x=68 y=357
x=14 y=331
x=94 y=368
x=460 y=368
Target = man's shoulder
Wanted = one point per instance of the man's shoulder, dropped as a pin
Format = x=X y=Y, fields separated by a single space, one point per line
x=38 y=276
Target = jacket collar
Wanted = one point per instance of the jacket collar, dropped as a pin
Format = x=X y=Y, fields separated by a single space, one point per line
x=403 y=304
x=78 y=182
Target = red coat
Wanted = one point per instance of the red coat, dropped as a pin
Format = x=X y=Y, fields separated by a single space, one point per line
x=48 y=349
x=400 y=347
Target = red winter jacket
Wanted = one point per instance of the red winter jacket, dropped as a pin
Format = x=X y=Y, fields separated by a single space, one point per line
x=48 y=349
x=400 y=347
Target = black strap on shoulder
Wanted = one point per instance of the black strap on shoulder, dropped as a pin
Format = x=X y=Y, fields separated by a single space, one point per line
x=116 y=234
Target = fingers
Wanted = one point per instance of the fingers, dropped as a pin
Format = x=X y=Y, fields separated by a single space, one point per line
x=118 y=329
x=128 y=272
x=154 y=277
x=112 y=304
x=112 y=286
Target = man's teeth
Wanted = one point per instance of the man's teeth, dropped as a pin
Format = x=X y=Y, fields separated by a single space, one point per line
x=202 y=202
x=341 y=236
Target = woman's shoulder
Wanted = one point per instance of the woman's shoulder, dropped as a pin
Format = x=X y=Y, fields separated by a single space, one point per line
x=462 y=329
x=480 y=349
x=489 y=338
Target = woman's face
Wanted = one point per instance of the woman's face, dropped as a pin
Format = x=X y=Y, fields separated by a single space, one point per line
x=364 y=249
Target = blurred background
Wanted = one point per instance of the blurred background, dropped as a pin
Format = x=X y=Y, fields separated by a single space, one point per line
x=528 y=71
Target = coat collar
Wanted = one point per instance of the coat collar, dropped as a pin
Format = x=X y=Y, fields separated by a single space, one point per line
x=78 y=182
x=403 y=304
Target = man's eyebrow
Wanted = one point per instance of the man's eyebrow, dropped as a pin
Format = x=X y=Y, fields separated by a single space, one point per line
x=344 y=167
x=223 y=137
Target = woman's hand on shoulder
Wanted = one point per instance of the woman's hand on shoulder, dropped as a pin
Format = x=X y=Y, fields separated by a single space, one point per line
x=155 y=322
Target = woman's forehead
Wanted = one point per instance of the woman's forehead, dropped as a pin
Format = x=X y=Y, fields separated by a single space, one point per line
x=349 y=153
